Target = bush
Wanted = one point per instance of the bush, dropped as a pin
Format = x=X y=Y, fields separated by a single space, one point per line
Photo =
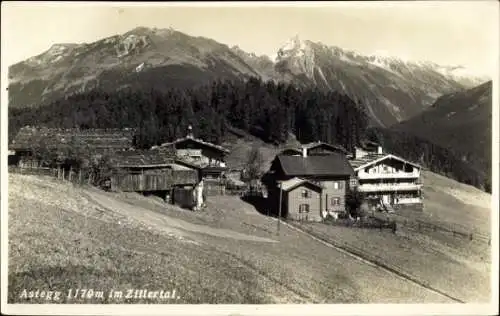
x=353 y=202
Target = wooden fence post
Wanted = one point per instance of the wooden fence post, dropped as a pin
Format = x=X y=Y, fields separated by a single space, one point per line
x=63 y=174
x=80 y=176
x=470 y=236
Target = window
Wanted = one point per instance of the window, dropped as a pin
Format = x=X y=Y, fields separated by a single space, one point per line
x=337 y=185
x=335 y=201
x=306 y=194
x=304 y=208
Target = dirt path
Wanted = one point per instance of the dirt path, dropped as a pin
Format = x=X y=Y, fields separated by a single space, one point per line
x=164 y=223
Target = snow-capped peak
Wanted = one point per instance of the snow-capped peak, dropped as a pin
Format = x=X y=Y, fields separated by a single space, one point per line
x=293 y=47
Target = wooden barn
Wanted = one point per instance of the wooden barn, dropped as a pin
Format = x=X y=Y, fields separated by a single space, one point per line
x=209 y=158
x=30 y=142
x=154 y=171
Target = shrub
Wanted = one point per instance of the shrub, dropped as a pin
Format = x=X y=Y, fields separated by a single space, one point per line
x=353 y=202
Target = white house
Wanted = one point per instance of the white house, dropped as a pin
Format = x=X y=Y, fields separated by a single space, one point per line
x=388 y=178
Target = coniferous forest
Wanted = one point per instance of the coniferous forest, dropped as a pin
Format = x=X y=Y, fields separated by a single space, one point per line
x=267 y=110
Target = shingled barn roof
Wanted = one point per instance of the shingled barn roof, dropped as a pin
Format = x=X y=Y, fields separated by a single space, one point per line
x=109 y=139
x=196 y=140
x=141 y=158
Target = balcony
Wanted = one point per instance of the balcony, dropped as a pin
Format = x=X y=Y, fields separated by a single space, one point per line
x=389 y=187
x=389 y=175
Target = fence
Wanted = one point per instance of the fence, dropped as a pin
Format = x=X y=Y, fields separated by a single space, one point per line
x=436 y=226
x=369 y=223
x=82 y=176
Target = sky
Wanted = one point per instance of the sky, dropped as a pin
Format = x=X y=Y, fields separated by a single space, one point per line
x=448 y=33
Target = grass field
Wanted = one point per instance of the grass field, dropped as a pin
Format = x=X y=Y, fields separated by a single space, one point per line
x=452 y=264
x=62 y=236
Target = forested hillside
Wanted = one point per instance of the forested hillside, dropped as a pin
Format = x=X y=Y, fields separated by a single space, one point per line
x=435 y=157
x=267 y=110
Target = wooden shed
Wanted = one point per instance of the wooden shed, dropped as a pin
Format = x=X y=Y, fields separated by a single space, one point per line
x=148 y=171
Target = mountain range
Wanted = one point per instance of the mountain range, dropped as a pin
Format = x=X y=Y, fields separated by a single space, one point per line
x=391 y=90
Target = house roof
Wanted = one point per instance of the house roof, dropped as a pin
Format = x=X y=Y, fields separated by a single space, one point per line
x=141 y=159
x=196 y=140
x=190 y=164
x=312 y=146
x=290 y=184
x=319 y=143
x=331 y=165
x=114 y=139
x=373 y=158
x=294 y=150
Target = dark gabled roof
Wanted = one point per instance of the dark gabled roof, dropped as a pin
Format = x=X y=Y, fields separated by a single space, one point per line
x=109 y=139
x=318 y=144
x=190 y=164
x=290 y=184
x=291 y=150
x=214 y=169
x=196 y=140
x=335 y=164
x=141 y=159
x=298 y=151
x=373 y=158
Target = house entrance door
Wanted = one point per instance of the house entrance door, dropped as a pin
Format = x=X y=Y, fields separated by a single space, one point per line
x=386 y=199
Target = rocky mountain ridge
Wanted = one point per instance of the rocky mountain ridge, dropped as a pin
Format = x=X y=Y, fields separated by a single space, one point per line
x=391 y=89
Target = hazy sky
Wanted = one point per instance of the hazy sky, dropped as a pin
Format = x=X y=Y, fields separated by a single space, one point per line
x=463 y=33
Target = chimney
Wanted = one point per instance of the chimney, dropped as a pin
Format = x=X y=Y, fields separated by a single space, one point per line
x=304 y=152
x=379 y=149
x=190 y=132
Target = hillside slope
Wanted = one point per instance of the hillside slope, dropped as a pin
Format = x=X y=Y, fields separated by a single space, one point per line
x=461 y=122
x=229 y=253
x=220 y=256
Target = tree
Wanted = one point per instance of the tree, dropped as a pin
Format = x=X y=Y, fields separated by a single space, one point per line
x=43 y=154
x=254 y=164
x=354 y=199
x=102 y=169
